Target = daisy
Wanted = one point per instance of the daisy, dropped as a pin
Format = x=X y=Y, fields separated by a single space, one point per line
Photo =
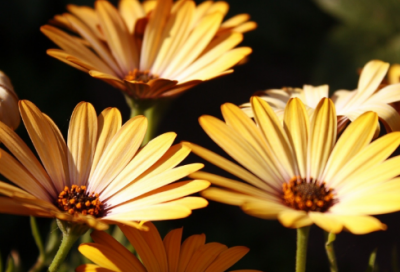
x=100 y=176
x=152 y=49
x=299 y=172
x=9 y=114
x=158 y=255
x=349 y=104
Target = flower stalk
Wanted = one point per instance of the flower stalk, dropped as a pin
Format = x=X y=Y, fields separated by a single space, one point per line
x=71 y=232
x=330 y=251
x=301 y=253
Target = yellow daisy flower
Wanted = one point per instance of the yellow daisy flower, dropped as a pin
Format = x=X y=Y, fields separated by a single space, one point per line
x=100 y=176
x=159 y=255
x=151 y=50
x=349 y=104
x=9 y=114
x=298 y=172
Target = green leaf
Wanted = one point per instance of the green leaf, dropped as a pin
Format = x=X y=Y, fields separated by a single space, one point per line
x=372 y=266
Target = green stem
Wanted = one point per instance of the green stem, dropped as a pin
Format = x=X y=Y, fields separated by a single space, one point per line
x=301 y=253
x=330 y=251
x=38 y=240
x=71 y=232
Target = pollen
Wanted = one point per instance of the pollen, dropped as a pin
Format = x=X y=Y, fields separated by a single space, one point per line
x=77 y=200
x=308 y=196
x=140 y=76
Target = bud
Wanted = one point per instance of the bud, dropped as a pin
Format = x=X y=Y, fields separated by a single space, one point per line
x=9 y=113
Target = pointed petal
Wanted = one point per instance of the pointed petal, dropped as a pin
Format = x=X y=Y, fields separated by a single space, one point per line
x=296 y=124
x=82 y=137
x=172 y=244
x=118 y=153
x=355 y=138
x=322 y=138
x=360 y=224
x=294 y=219
x=327 y=222
x=205 y=256
x=189 y=247
x=153 y=238
x=227 y=258
x=264 y=209
x=46 y=144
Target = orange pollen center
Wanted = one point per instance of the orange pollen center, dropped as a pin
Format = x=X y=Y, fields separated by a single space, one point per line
x=307 y=196
x=77 y=200
x=140 y=76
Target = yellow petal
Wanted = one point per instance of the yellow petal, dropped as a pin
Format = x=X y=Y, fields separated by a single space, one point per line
x=118 y=37
x=15 y=172
x=92 y=268
x=360 y=224
x=275 y=137
x=131 y=11
x=103 y=238
x=322 y=138
x=228 y=166
x=109 y=122
x=232 y=184
x=82 y=137
x=105 y=257
x=327 y=222
x=153 y=33
x=264 y=209
x=355 y=138
x=46 y=144
x=146 y=157
x=296 y=124
x=191 y=202
x=294 y=219
x=118 y=153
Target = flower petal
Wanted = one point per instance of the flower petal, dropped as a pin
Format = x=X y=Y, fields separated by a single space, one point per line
x=172 y=244
x=327 y=222
x=227 y=258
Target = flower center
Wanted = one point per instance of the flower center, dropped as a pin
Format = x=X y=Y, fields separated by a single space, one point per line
x=307 y=196
x=77 y=200
x=140 y=76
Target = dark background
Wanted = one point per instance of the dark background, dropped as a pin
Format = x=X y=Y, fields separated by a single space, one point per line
x=297 y=42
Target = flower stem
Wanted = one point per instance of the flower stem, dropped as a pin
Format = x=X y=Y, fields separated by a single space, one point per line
x=301 y=253
x=330 y=251
x=38 y=240
x=71 y=232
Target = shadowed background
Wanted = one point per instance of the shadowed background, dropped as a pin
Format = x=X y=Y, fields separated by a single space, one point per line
x=297 y=42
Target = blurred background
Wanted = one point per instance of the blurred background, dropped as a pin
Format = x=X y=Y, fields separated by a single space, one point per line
x=297 y=42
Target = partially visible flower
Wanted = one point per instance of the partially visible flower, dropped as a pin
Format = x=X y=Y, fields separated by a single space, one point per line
x=167 y=255
x=9 y=114
x=150 y=50
x=349 y=104
x=100 y=176
x=298 y=171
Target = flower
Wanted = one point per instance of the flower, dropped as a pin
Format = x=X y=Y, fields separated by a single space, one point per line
x=158 y=255
x=299 y=172
x=349 y=104
x=8 y=103
x=150 y=50
x=100 y=176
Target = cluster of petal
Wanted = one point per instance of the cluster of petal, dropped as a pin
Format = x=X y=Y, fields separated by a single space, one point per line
x=158 y=255
x=272 y=153
x=133 y=184
x=180 y=44
x=369 y=96
x=9 y=114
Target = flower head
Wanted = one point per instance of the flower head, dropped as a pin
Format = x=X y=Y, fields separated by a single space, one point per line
x=299 y=172
x=8 y=103
x=150 y=50
x=100 y=175
x=158 y=255
x=369 y=96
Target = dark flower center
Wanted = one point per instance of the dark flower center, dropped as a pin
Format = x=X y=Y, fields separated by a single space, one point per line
x=77 y=200
x=307 y=196
x=140 y=76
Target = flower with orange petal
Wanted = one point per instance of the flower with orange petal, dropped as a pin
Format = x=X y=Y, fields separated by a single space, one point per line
x=158 y=255
x=9 y=114
x=298 y=171
x=152 y=49
x=369 y=96
x=100 y=176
